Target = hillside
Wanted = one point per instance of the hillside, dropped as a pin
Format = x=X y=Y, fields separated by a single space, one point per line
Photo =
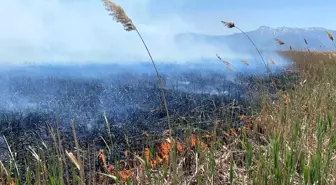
x=263 y=38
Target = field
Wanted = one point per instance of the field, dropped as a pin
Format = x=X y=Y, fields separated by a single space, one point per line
x=276 y=129
x=180 y=126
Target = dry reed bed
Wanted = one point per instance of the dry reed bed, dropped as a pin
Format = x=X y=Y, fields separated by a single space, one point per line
x=291 y=140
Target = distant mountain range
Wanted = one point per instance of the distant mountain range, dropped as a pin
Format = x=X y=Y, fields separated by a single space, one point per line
x=263 y=37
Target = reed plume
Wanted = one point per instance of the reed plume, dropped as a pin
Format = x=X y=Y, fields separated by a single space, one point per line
x=245 y=62
x=229 y=24
x=229 y=68
x=120 y=16
x=272 y=61
x=306 y=42
x=331 y=37
x=232 y=25
x=280 y=42
x=73 y=159
x=224 y=61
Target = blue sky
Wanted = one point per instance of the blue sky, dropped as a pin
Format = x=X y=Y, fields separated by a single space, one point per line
x=81 y=30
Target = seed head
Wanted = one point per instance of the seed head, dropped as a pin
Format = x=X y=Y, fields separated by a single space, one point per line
x=280 y=42
x=330 y=35
x=229 y=24
x=245 y=62
x=272 y=61
x=119 y=15
x=73 y=159
x=220 y=58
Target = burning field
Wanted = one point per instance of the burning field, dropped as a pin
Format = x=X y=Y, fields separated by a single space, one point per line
x=201 y=123
x=123 y=111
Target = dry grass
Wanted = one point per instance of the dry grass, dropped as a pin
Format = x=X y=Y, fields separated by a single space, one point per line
x=292 y=140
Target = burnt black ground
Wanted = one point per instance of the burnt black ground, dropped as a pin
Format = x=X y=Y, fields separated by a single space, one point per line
x=32 y=99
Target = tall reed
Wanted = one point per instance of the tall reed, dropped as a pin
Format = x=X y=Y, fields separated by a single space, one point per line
x=232 y=25
x=120 y=16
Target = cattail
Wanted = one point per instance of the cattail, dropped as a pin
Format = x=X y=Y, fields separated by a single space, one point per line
x=290 y=47
x=330 y=35
x=306 y=41
x=280 y=42
x=229 y=24
x=73 y=159
x=119 y=15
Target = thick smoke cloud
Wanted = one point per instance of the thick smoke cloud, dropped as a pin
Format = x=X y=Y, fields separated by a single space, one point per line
x=63 y=31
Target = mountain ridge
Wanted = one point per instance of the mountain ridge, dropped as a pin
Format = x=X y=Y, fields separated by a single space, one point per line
x=263 y=37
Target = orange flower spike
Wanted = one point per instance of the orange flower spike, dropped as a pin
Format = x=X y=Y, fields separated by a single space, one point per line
x=125 y=174
x=101 y=157
x=158 y=159
x=126 y=153
x=226 y=134
x=153 y=164
x=193 y=140
x=164 y=150
x=147 y=156
x=13 y=182
x=234 y=132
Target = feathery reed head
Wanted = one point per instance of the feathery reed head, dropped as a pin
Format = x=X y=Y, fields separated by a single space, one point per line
x=73 y=159
x=218 y=57
x=225 y=62
x=280 y=42
x=330 y=35
x=229 y=68
x=245 y=62
x=229 y=24
x=271 y=60
x=119 y=15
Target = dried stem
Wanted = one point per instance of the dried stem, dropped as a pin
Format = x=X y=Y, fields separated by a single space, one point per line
x=262 y=58
x=232 y=25
x=12 y=156
x=159 y=78
x=120 y=16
